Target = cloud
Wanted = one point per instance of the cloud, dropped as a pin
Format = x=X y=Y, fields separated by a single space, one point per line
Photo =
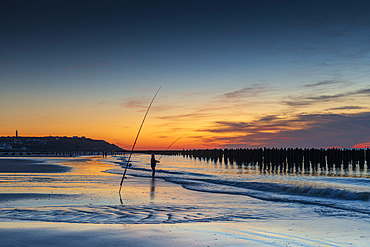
x=269 y=123
x=201 y=113
x=297 y=102
x=229 y=127
x=345 y=108
x=142 y=104
x=323 y=83
x=310 y=130
x=224 y=127
x=328 y=97
x=309 y=100
x=343 y=130
x=268 y=118
x=244 y=92
x=340 y=95
x=364 y=91
x=137 y=103
x=162 y=137
x=188 y=116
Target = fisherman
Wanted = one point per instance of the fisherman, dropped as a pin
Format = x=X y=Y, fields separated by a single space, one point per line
x=153 y=163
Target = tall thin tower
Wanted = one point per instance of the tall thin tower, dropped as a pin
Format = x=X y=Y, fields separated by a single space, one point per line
x=16 y=133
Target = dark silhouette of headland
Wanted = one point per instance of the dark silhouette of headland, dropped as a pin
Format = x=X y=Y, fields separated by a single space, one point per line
x=55 y=144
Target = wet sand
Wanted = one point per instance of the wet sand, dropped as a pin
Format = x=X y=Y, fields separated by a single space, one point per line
x=29 y=166
x=81 y=207
x=194 y=234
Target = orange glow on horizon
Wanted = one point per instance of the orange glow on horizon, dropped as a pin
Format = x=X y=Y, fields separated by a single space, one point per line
x=205 y=120
x=362 y=145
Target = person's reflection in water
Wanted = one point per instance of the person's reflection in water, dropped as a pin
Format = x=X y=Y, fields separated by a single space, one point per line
x=152 y=189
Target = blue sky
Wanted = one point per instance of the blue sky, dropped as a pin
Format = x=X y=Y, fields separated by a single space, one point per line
x=233 y=73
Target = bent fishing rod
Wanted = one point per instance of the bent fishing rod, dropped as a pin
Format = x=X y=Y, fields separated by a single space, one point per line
x=137 y=136
x=171 y=146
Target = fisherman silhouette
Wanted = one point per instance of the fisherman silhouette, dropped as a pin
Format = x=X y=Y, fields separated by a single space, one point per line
x=153 y=163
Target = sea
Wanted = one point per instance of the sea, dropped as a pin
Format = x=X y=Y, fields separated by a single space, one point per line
x=336 y=192
x=321 y=207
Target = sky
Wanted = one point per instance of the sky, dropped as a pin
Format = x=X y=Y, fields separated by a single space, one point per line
x=233 y=74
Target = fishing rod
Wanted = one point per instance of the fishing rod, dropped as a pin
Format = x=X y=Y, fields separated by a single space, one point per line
x=171 y=145
x=137 y=136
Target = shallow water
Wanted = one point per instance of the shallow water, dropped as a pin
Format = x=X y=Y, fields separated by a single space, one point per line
x=190 y=191
x=340 y=190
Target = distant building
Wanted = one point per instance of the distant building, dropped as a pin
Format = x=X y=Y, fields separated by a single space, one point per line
x=16 y=133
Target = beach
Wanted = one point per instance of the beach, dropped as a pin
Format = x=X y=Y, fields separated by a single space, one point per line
x=74 y=201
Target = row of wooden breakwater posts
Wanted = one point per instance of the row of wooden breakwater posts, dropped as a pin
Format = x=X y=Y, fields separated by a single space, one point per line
x=61 y=154
x=283 y=159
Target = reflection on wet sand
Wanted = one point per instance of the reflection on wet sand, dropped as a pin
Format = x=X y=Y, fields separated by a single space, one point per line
x=152 y=189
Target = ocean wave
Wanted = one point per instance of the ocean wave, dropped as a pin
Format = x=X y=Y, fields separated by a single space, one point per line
x=295 y=189
x=361 y=208
x=276 y=187
x=283 y=190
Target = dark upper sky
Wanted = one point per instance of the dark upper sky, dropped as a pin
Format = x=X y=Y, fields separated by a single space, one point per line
x=287 y=49
x=82 y=25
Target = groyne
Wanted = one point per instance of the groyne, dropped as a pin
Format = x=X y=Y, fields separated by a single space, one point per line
x=282 y=159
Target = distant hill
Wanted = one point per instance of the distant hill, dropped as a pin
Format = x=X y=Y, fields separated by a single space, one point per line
x=55 y=144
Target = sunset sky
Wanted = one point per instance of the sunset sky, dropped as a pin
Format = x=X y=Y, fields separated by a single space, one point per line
x=233 y=73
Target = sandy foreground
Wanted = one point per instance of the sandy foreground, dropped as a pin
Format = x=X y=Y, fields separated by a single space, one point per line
x=73 y=202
